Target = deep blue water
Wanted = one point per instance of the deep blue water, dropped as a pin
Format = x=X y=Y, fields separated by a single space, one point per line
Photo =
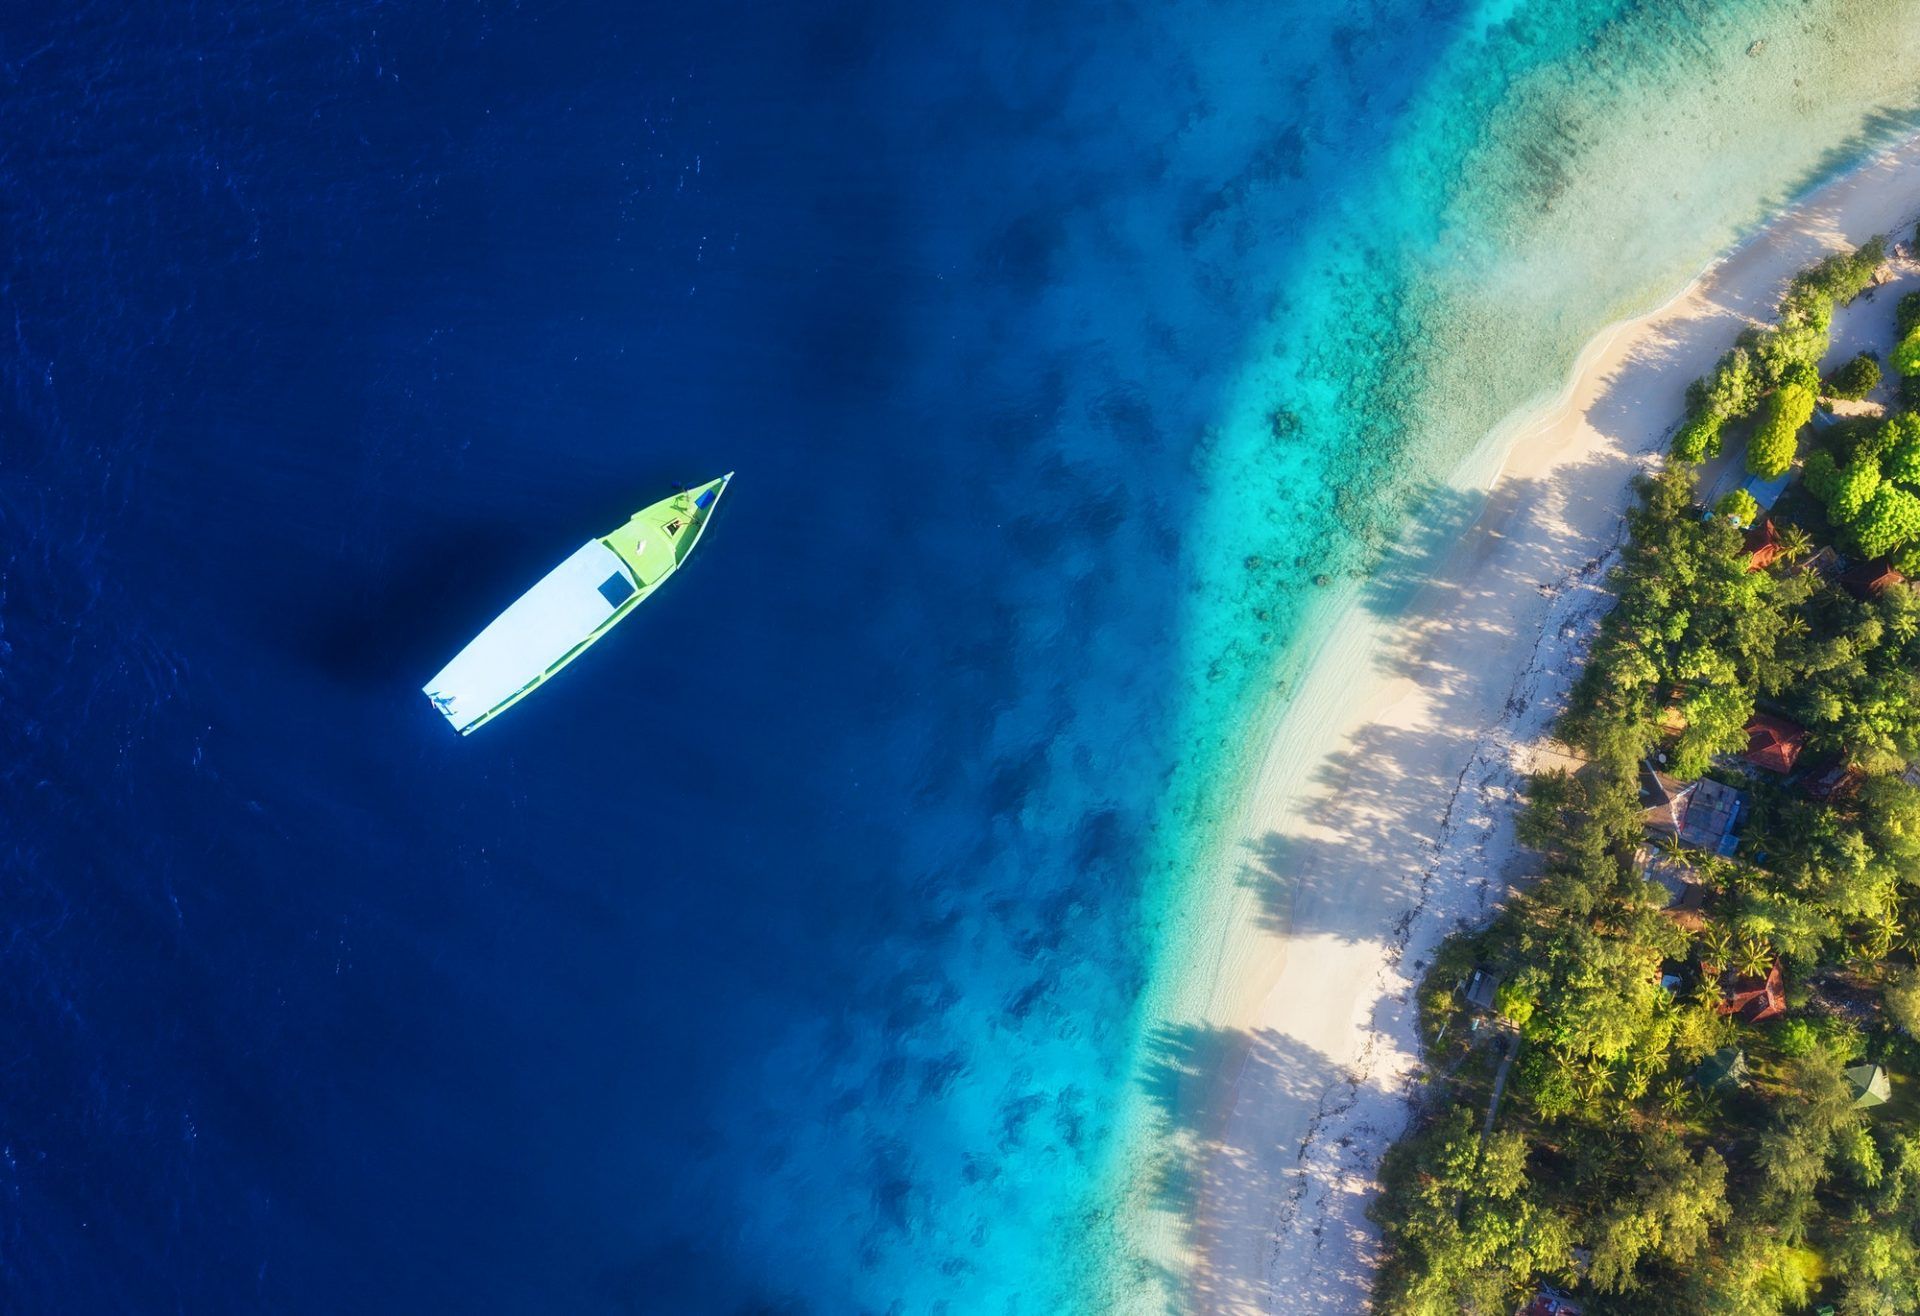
x=786 y=954
x=330 y=329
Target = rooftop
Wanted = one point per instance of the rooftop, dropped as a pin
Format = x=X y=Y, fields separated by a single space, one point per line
x=1865 y=579
x=1869 y=1086
x=1684 y=889
x=1701 y=814
x=1726 y=1067
x=1834 y=782
x=1762 y=544
x=1480 y=988
x=1757 y=1000
x=1774 y=743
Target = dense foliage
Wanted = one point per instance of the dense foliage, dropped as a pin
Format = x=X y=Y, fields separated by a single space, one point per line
x=1906 y=350
x=1771 y=449
x=1617 y=1165
x=1776 y=370
x=1867 y=476
x=1854 y=379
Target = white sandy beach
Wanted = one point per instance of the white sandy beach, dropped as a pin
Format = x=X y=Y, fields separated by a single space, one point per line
x=1382 y=813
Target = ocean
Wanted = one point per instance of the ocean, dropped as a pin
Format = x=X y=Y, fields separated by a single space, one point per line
x=796 y=949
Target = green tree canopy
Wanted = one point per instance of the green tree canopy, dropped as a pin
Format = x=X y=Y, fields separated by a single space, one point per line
x=1821 y=474
x=1465 y=1231
x=1905 y=357
x=1889 y=519
x=1698 y=438
x=1786 y=409
x=1664 y=1211
x=1852 y=490
x=1733 y=389
x=1738 y=506
x=1900 y=448
x=1855 y=378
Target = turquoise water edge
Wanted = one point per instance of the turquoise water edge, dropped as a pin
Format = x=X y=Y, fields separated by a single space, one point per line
x=1434 y=264
x=1081 y=363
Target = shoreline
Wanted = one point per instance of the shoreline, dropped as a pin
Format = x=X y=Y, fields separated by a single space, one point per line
x=1379 y=810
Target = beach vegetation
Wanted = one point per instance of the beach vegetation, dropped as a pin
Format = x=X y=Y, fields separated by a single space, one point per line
x=1838 y=279
x=1771 y=450
x=1899 y=446
x=1698 y=438
x=1890 y=519
x=1906 y=315
x=1470 y=1235
x=1678 y=1131
x=1852 y=489
x=1871 y=500
x=1733 y=389
x=1906 y=354
x=1739 y=507
x=1905 y=357
x=1855 y=378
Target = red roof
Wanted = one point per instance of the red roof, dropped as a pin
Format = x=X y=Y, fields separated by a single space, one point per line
x=1866 y=579
x=1757 y=1000
x=1762 y=544
x=1774 y=743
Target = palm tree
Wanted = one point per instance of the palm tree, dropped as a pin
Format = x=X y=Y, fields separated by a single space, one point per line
x=1671 y=848
x=1716 y=946
x=1716 y=870
x=1793 y=541
x=1708 y=994
x=1882 y=933
x=1907 y=938
x=1753 y=957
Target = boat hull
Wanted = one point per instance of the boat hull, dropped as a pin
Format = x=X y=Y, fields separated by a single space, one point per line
x=598 y=585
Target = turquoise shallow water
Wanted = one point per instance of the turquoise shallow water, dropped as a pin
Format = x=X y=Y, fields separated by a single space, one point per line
x=1074 y=358
x=1296 y=270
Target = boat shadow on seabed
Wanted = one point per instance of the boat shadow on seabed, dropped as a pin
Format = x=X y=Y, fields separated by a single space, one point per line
x=388 y=623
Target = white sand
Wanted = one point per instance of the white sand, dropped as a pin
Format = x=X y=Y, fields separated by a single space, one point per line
x=1382 y=814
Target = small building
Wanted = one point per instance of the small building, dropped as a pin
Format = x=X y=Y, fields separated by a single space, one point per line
x=1869 y=1085
x=1701 y=814
x=1685 y=891
x=1836 y=781
x=1756 y=1000
x=1765 y=493
x=1774 y=743
x=1550 y=1302
x=1725 y=1069
x=1824 y=563
x=1762 y=544
x=1864 y=580
x=1481 y=985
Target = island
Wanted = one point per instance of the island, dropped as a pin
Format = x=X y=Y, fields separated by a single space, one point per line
x=1674 y=1072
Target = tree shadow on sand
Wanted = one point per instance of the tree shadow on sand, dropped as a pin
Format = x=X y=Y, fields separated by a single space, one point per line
x=1228 y=1197
x=1357 y=864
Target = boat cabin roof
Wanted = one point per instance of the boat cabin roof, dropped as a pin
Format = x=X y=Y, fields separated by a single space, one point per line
x=542 y=627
